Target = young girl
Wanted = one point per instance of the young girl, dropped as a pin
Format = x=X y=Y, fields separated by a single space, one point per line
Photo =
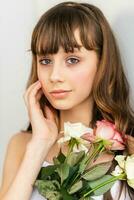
x=76 y=76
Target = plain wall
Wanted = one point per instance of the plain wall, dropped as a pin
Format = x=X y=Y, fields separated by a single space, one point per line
x=17 y=19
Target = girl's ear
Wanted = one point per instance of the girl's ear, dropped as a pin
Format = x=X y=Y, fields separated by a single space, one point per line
x=130 y=144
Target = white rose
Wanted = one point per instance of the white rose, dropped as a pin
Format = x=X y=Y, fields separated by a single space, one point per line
x=74 y=130
x=117 y=171
x=121 y=160
x=131 y=183
x=80 y=147
x=129 y=166
x=126 y=163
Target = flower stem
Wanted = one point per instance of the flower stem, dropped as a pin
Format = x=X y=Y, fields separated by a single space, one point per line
x=114 y=178
x=97 y=150
x=72 y=142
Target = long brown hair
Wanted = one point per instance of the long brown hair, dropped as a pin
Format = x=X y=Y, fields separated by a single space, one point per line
x=56 y=28
x=110 y=89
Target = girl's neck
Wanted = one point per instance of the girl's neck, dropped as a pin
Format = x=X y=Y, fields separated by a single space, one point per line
x=80 y=113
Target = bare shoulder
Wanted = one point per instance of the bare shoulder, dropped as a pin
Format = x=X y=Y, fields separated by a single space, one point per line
x=14 y=154
x=17 y=145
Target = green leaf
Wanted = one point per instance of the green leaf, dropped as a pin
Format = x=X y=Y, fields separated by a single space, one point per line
x=46 y=171
x=65 y=194
x=86 y=198
x=61 y=157
x=43 y=184
x=77 y=186
x=101 y=185
x=53 y=195
x=97 y=171
x=74 y=158
x=56 y=161
x=49 y=189
x=72 y=174
x=81 y=167
x=83 y=164
x=63 y=171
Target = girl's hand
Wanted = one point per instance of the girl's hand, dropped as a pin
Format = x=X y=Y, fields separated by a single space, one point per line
x=43 y=128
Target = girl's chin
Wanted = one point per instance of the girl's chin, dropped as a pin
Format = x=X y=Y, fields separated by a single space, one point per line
x=61 y=107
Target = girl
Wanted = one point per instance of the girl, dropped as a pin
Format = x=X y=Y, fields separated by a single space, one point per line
x=76 y=76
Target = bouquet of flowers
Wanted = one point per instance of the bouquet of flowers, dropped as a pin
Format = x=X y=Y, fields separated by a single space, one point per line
x=81 y=173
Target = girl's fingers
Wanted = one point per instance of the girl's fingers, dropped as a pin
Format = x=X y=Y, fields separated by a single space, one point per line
x=34 y=90
x=27 y=92
x=49 y=113
x=39 y=94
x=32 y=96
x=29 y=95
x=29 y=89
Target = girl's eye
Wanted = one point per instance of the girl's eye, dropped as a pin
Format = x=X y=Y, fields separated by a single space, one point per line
x=45 y=61
x=72 y=60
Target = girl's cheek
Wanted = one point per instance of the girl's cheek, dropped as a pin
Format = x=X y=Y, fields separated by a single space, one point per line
x=40 y=76
x=81 y=77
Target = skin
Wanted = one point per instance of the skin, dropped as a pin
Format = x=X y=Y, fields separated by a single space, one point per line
x=70 y=71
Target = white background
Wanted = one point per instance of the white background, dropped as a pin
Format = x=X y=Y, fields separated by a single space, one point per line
x=17 y=19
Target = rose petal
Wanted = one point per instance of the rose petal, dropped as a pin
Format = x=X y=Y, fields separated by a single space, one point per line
x=117 y=145
x=88 y=137
x=117 y=136
x=105 y=132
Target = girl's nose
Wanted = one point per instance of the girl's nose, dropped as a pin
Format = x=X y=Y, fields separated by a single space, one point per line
x=57 y=73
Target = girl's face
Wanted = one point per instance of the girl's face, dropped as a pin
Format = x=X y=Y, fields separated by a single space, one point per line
x=68 y=71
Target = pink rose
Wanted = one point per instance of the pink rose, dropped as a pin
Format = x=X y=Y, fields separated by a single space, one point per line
x=105 y=130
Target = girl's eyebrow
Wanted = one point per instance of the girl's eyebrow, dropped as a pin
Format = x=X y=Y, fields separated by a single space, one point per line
x=75 y=50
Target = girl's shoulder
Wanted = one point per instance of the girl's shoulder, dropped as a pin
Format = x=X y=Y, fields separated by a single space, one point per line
x=14 y=154
x=18 y=142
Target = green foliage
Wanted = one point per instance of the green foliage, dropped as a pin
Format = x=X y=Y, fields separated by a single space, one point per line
x=101 y=185
x=74 y=158
x=63 y=171
x=47 y=171
x=69 y=179
x=97 y=171
x=77 y=186
x=49 y=189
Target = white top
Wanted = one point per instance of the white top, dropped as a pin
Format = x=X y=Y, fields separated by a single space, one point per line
x=114 y=191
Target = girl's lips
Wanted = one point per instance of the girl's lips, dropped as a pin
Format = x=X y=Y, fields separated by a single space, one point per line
x=60 y=90
x=60 y=94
